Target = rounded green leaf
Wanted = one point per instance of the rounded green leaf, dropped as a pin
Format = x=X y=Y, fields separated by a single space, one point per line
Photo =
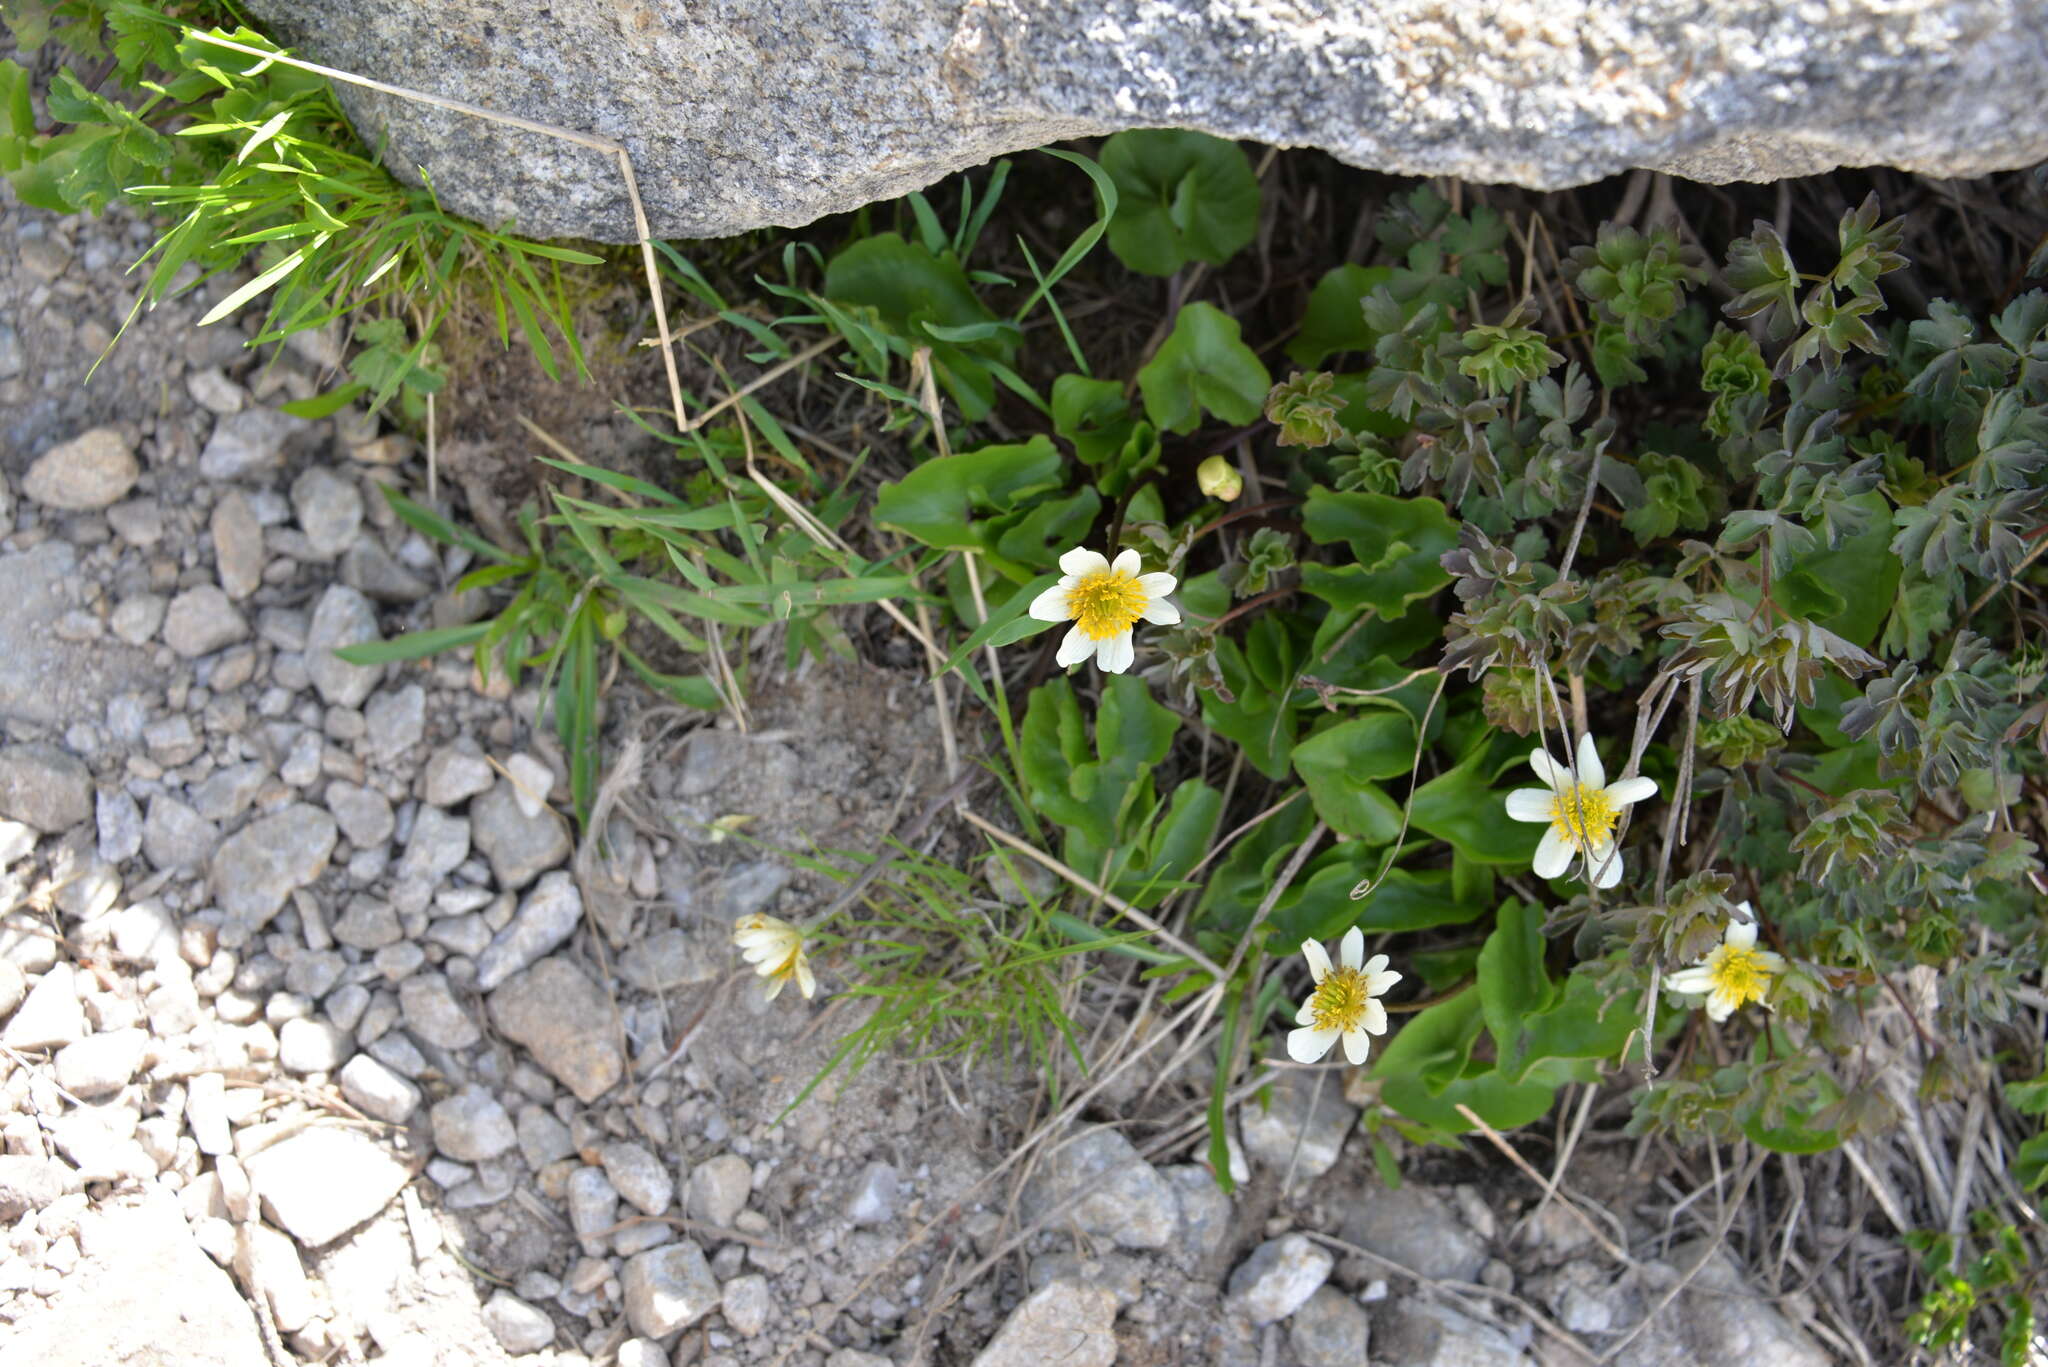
x=1336 y=314
x=1203 y=365
x=1339 y=764
x=1181 y=196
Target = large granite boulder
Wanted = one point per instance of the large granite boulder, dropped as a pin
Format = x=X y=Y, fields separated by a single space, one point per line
x=743 y=115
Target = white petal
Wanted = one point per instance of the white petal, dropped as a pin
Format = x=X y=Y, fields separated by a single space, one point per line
x=1740 y=934
x=1357 y=1044
x=1531 y=804
x=1696 y=980
x=1159 y=612
x=1051 y=606
x=1374 y=966
x=1603 y=868
x=1115 y=653
x=805 y=982
x=1548 y=771
x=1591 y=774
x=1125 y=564
x=1081 y=562
x=1375 y=1019
x=1307 y=1014
x=1156 y=584
x=1720 y=1006
x=1074 y=649
x=1379 y=981
x=1351 y=949
x=1307 y=1046
x=1748 y=911
x=774 y=989
x=1772 y=962
x=1318 y=959
x=1553 y=855
x=1631 y=790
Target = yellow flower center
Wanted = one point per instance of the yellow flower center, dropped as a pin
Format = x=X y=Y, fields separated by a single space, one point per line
x=1106 y=604
x=1583 y=815
x=1339 y=1000
x=1738 y=974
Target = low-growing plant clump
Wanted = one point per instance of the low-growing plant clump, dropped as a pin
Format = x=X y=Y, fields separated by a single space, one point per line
x=1628 y=656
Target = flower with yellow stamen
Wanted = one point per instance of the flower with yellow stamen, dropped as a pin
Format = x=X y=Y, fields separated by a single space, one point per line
x=1104 y=600
x=1581 y=808
x=1342 y=1006
x=776 y=950
x=1734 y=974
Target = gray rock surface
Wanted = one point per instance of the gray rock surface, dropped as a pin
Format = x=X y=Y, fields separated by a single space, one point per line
x=668 y=1288
x=44 y=787
x=43 y=677
x=202 y=620
x=1062 y=1322
x=518 y=1327
x=250 y=440
x=548 y=916
x=377 y=1091
x=257 y=867
x=1302 y=1128
x=89 y=471
x=1418 y=1332
x=520 y=847
x=565 y=1021
x=343 y=617
x=718 y=1189
x=1279 y=1277
x=1417 y=1229
x=175 y=1305
x=1116 y=1194
x=471 y=1126
x=51 y=1018
x=639 y=1176
x=323 y=1182
x=749 y=116
x=1330 y=1330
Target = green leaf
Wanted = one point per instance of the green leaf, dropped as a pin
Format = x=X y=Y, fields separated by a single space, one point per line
x=1336 y=315
x=1340 y=763
x=326 y=405
x=1512 y=982
x=1089 y=788
x=1181 y=196
x=1203 y=365
x=1092 y=415
x=912 y=292
x=1396 y=544
x=939 y=502
x=1005 y=625
x=1458 y=806
x=414 y=645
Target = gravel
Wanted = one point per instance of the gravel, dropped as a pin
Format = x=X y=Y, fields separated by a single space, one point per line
x=202 y=620
x=668 y=1288
x=377 y=1091
x=258 y=867
x=89 y=471
x=1062 y=1322
x=565 y=1021
x=520 y=847
x=342 y=617
x=44 y=787
x=1279 y=1277
x=323 y=1182
x=639 y=1176
x=1115 y=1193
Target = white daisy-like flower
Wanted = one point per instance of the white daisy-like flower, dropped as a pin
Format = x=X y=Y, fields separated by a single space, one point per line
x=1104 y=599
x=776 y=950
x=1581 y=808
x=1342 y=1004
x=1737 y=972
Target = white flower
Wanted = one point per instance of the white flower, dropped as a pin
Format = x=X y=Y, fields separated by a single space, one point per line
x=1582 y=809
x=776 y=950
x=1342 y=1003
x=1736 y=972
x=1104 y=600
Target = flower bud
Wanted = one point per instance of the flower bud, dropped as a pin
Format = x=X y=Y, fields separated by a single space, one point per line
x=1219 y=479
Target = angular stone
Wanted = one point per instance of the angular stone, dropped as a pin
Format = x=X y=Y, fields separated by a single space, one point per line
x=565 y=1021
x=1298 y=1116
x=257 y=867
x=745 y=1302
x=548 y=916
x=1416 y=1228
x=238 y=552
x=329 y=509
x=368 y=924
x=1330 y=1330
x=89 y=471
x=846 y=116
x=44 y=787
x=668 y=1288
x=639 y=1176
x=1418 y=1332
x=471 y=1126
x=312 y=1046
x=1118 y=1195
x=364 y=813
x=321 y=1183
x=669 y=959
x=52 y=1017
x=342 y=617
x=250 y=440
x=1061 y=1322
x=101 y=1064
x=454 y=776
x=1204 y=1210
x=202 y=620
x=176 y=837
x=1279 y=1278
x=875 y=1196
x=28 y=1183
x=372 y=571
x=119 y=822
x=268 y=1265
x=520 y=847
x=432 y=1013
x=518 y=1327
x=376 y=1091
x=396 y=718
x=718 y=1190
